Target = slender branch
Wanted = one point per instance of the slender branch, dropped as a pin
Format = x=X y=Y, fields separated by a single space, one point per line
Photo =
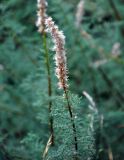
x=49 y=86
x=72 y=121
x=106 y=141
x=117 y=14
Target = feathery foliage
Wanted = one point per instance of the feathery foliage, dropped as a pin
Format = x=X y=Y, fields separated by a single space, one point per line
x=95 y=62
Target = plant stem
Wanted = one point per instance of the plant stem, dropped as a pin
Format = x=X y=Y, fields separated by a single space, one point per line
x=117 y=14
x=72 y=121
x=49 y=86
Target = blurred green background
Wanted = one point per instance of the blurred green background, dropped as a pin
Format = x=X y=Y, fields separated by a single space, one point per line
x=95 y=54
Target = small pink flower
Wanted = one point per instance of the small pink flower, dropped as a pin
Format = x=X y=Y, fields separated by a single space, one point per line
x=41 y=14
x=60 y=56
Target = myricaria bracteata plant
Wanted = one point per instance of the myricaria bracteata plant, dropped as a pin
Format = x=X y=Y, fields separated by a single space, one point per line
x=33 y=102
x=46 y=25
x=61 y=69
x=40 y=23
